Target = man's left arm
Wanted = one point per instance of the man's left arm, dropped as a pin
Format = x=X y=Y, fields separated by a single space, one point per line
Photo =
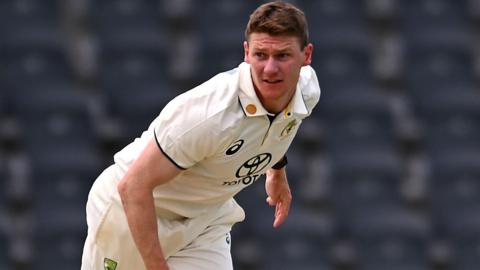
x=278 y=192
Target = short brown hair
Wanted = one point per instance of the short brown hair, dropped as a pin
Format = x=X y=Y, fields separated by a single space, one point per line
x=278 y=18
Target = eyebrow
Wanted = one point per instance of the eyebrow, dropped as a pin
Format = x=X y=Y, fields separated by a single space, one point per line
x=283 y=49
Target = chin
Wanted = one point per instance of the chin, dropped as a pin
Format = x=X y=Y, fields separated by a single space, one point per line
x=280 y=87
x=272 y=95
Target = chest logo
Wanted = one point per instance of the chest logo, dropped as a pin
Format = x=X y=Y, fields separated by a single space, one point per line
x=234 y=147
x=254 y=165
x=109 y=264
x=288 y=128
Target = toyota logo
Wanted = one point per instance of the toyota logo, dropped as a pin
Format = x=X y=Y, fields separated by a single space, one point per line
x=254 y=165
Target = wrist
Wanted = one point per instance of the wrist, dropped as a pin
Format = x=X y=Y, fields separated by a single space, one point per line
x=275 y=174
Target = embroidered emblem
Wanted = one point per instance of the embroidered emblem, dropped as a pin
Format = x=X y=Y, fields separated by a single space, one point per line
x=109 y=264
x=288 y=128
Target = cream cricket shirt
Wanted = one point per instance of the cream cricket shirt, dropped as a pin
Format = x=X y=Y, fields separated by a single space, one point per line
x=221 y=136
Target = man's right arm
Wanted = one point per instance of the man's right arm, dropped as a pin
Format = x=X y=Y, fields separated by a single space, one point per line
x=152 y=168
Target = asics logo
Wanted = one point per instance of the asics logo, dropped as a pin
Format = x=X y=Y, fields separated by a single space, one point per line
x=234 y=147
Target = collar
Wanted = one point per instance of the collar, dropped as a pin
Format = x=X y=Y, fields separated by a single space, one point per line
x=252 y=106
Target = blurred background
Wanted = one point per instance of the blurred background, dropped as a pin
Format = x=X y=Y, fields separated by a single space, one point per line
x=385 y=174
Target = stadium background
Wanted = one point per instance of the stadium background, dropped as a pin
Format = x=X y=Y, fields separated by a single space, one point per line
x=385 y=174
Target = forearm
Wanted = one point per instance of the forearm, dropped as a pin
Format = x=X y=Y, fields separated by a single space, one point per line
x=140 y=211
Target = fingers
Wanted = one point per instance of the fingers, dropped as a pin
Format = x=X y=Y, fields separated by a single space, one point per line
x=271 y=201
x=281 y=212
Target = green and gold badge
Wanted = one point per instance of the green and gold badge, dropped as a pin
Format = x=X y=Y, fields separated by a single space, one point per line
x=109 y=264
x=288 y=128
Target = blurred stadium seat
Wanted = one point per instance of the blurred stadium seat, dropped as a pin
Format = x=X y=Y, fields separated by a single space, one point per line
x=331 y=11
x=128 y=31
x=4 y=240
x=297 y=252
x=3 y=177
x=450 y=117
x=465 y=252
x=133 y=65
x=214 y=19
x=33 y=47
x=134 y=91
x=454 y=180
x=18 y=18
x=434 y=68
x=357 y=115
x=30 y=62
x=364 y=177
x=460 y=229
x=58 y=249
x=390 y=237
x=439 y=46
x=51 y=114
x=113 y=14
x=334 y=65
x=342 y=45
x=426 y=13
x=60 y=177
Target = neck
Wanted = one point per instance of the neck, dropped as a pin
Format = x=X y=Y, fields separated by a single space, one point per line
x=274 y=106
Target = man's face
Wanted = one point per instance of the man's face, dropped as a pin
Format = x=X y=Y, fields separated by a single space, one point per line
x=275 y=65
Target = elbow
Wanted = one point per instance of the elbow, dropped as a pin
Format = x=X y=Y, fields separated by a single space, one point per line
x=131 y=190
x=126 y=192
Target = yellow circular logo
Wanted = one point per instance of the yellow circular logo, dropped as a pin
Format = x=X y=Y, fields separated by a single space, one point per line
x=251 y=109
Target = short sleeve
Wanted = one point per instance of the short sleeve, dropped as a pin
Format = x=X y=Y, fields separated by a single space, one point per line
x=183 y=133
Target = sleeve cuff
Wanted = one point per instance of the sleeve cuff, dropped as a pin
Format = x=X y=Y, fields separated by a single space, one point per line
x=281 y=163
x=169 y=158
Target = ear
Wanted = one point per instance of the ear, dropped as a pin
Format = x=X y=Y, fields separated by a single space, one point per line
x=245 y=49
x=307 y=52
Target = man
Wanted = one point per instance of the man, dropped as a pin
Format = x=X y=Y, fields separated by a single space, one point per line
x=167 y=202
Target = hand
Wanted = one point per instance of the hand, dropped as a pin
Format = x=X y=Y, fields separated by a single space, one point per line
x=279 y=195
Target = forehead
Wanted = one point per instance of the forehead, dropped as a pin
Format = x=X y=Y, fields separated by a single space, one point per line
x=266 y=41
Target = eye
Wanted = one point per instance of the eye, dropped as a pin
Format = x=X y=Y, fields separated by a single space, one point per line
x=283 y=56
x=260 y=55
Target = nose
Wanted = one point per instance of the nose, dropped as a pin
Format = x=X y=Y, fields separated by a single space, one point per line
x=271 y=66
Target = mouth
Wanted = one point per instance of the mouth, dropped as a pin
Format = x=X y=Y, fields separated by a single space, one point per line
x=272 y=81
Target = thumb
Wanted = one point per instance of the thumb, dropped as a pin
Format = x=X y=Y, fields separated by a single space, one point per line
x=271 y=201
